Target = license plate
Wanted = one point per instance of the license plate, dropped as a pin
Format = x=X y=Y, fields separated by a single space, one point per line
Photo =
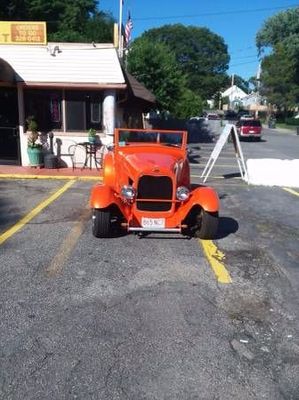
x=251 y=132
x=157 y=223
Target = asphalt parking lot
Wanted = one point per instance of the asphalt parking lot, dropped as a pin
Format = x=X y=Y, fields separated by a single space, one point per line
x=150 y=318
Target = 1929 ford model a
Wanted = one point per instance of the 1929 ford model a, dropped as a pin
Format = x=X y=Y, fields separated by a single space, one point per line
x=146 y=187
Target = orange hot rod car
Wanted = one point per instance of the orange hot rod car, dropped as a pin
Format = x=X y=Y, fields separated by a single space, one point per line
x=146 y=188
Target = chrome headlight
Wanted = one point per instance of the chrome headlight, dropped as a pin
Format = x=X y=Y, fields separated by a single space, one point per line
x=128 y=192
x=182 y=193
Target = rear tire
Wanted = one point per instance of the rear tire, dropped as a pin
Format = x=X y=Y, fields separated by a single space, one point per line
x=101 y=223
x=207 y=225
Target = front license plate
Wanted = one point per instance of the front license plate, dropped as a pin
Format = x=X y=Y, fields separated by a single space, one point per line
x=158 y=223
x=251 y=131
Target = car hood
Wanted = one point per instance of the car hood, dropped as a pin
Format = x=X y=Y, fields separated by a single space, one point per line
x=142 y=161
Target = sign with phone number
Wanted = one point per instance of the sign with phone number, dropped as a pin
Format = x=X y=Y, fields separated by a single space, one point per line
x=19 y=32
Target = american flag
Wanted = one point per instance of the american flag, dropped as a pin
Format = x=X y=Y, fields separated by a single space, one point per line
x=128 y=29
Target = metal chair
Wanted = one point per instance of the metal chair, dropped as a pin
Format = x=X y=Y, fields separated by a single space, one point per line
x=100 y=155
x=78 y=155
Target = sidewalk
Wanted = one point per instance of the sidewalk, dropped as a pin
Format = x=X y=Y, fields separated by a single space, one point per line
x=17 y=172
x=282 y=130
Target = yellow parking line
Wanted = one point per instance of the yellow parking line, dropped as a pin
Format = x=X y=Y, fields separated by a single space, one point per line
x=291 y=191
x=54 y=177
x=215 y=257
x=68 y=244
x=33 y=213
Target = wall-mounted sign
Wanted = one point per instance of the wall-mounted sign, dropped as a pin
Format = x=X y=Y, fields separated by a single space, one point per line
x=21 y=32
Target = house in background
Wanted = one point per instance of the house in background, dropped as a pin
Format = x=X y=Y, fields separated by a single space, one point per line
x=68 y=88
x=234 y=95
x=255 y=103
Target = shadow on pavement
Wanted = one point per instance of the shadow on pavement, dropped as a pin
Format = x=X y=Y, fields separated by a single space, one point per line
x=226 y=227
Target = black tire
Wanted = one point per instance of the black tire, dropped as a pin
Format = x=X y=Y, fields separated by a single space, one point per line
x=207 y=225
x=101 y=223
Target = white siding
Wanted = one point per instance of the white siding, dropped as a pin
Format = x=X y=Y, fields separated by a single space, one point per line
x=72 y=63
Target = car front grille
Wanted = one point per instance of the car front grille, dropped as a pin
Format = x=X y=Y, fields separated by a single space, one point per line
x=154 y=188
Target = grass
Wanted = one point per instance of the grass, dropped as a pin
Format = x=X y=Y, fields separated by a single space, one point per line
x=285 y=126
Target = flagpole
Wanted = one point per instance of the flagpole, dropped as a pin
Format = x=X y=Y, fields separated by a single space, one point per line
x=120 y=50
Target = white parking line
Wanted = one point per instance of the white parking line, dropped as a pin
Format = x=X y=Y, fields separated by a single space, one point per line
x=291 y=191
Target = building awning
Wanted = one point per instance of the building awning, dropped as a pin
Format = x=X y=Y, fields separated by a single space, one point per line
x=65 y=64
x=138 y=90
x=139 y=97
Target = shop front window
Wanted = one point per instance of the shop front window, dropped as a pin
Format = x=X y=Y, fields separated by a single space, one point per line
x=45 y=106
x=83 y=110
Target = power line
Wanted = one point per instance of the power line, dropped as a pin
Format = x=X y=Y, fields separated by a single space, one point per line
x=243 y=57
x=208 y=14
x=248 y=62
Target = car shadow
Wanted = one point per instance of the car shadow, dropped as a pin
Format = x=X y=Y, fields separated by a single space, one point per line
x=244 y=139
x=226 y=227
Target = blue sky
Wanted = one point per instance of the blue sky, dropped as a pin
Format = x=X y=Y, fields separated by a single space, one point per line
x=237 y=21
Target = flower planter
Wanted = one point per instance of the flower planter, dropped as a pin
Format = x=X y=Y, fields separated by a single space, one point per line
x=92 y=139
x=35 y=155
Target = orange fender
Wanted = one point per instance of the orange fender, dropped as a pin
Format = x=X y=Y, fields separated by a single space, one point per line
x=109 y=170
x=102 y=196
x=206 y=197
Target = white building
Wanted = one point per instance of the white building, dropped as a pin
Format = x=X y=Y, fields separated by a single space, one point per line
x=234 y=94
x=68 y=88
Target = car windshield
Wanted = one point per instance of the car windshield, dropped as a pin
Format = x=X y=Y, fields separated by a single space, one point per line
x=252 y=122
x=173 y=138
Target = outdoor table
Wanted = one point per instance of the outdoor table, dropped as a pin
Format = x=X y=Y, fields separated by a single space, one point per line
x=90 y=153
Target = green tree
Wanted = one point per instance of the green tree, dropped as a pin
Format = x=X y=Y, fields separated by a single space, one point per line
x=280 y=69
x=280 y=83
x=75 y=21
x=241 y=83
x=188 y=105
x=201 y=54
x=154 y=65
x=282 y=27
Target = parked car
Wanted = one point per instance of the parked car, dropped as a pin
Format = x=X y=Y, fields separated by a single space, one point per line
x=241 y=113
x=146 y=188
x=230 y=115
x=249 y=128
x=247 y=116
x=212 y=116
x=195 y=119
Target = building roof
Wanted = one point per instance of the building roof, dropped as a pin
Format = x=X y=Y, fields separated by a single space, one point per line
x=234 y=92
x=91 y=65
x=140 y=91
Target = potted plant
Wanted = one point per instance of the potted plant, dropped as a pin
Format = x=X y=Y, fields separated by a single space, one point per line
x=92 y=135
x=34 y=149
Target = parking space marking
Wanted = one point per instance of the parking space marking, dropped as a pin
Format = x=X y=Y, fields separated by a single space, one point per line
x=215 y=258
x=53 y=177
x=68 y=244
x=219 y=177
x=291 y=191
x=216 y=165
x=33 y=213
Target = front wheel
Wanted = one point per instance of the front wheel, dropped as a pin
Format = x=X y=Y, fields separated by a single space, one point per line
x=207 y=225
x=101 y=223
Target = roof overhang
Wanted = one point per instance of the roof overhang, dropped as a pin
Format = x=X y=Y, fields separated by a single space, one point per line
x=68 y=85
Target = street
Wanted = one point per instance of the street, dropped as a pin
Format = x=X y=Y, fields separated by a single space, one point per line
x=148 y=318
